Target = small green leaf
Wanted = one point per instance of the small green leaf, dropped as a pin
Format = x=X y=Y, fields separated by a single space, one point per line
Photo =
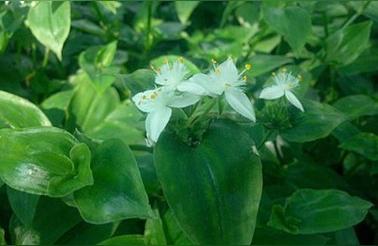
x=364 y=143
x=24 y=205
x=158 y=62
x=174 y=233
x=210 y=181
x=154 y=232
x=88 y=234
x=125 y=240
x=50 y=23
x=118 y=191
x=294 y=23
x=112 y=6
x=184 y=9
x=318 y=121
x=105 y=55
x=137 y=81
x=2 y=237
x=18 y=112
x=309 y=211
x=262 y=64
x=356 y=106
x=346 y=44
x=44 y=161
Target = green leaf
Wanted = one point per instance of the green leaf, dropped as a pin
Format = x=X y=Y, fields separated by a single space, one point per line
x=310 y=211
x=137 y=81
x=269 y=236
x=184 y=9
x=96 y=62
x=125 y=240
x=124 y=123
x=262 y=64
x=158 y=62
x=173 y=232
x=356 y=106
x=364 y=143
x=44 y=161
x=88 y=234
x=89 y=107
x=18 y=112
x=154 y=232
x=24 y=205
x=112 y=6
x=207 y=182
x=346 y=44
x=294 y=23
x=50 y=23
x=118 y=191
x=318 y=121
x=59 y=100
x=2 y=237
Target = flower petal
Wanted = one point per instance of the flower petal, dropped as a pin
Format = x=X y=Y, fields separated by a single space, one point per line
x=202 y=84
x=293 y=100
x=228 y=73
x=144 y=100
x=156 y=122
x=183 y=100
x=240 y=102
x=272 y=92
x=192 y=87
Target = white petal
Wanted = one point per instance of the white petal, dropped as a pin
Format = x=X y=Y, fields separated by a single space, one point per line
x=183 y=100
x=293 y=100
x=228 y=73
x=272 y=92
x=240 y=102
x=144 y=101
x=156 y=122
x=192 y=87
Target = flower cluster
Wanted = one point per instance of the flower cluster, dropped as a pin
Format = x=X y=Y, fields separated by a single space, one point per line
x=179 y=90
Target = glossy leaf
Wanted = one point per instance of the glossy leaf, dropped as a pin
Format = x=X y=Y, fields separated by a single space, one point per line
x=294 y=23
x=310 y=211
x=346 y=44
x=318 y=121
x=154 y=231
x=45 y=161
x=50 y=23
x=216 y=189
x=24 y=205
x=365 y=144
x=356 y=106
x=118 y=191
x=125 y=240
x=89 y=234
x=18 y=112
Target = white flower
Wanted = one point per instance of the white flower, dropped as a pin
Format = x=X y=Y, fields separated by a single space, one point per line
x=284 y=84
x=158 y=103
x=226 y=79
x=170 y=75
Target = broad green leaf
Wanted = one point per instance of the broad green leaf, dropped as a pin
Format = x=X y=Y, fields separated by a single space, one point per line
x=345 y=45
x=125 y=240
x=365 y=63
x=50 y=23
x=345 y=237
x=318 y=121
x=45 y=161
x=88 y=234
x=174 y=233
x=52 y=219
x=364 y=143
x=184 y=9
x=105 y=55
x=59 y=100
x=310 y=211
x=24 y=205
x=124 y=123
x=154 y=232
x=206 y=182
x=18 y=112
x=88 y=107
x=345 y=131
x=147 y=170
x=117 y=192
x=158 y=62
x=269 y=236
x=294 y=23
x=262 y=64
x=356 y=106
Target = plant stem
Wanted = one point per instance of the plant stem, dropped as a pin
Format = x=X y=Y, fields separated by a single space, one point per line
x=279 y=157
x=356 y=15
x=46 y=57
x=267 y=136
x=140 y=147
x=193 y=120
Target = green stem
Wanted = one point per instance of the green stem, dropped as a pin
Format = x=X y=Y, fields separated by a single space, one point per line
x=267 y=136
x=46 y=57
x=279 y=157
x=139 y=147
x=193 y=119
x=148 y=27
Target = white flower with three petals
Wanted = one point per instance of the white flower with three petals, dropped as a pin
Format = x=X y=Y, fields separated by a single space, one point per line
x=157 y=104
x=171 y=75
x=284 y=84
x=226 y=79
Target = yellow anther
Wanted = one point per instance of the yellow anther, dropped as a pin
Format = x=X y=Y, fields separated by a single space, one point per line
x=245 y=77
x=213 y=61
x=154 y=69
x=284 y=70
x=274 y=74
x=166 y=60
x=299 y=77
x=153 y=96
x=217 y=71
x=181 y=59
x=248 y=66
x=144 y=97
